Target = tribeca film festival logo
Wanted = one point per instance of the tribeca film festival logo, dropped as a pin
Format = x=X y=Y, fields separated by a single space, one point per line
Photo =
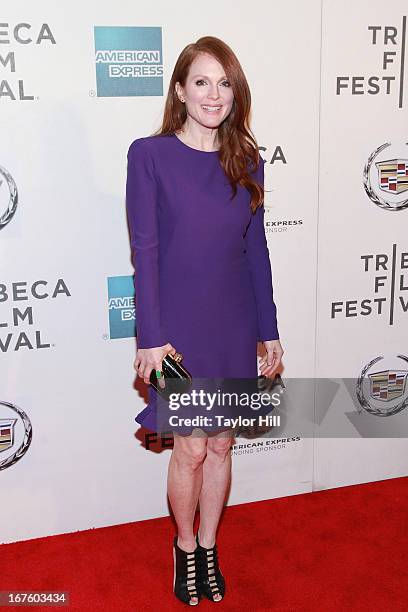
x=388 y=274
x=28 y=338
x=121 y=304
x=129 y=61
x=12 y=84
x=383 y=392
x=386 y=180
x=16 y=433
x=391 y=41
x=8 y=197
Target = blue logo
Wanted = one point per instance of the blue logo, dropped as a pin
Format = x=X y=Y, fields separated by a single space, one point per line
x=121 y=300
x=129 y=61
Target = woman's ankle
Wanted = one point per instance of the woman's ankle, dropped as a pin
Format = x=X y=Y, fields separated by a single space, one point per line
x=205 y=541
x=188 y=544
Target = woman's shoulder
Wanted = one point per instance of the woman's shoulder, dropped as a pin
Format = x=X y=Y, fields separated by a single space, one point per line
x=146 y=143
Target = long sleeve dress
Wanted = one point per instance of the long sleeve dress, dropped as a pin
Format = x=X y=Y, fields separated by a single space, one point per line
x=203 y=279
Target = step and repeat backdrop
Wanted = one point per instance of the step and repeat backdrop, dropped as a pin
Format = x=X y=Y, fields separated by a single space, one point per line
x=330 y=100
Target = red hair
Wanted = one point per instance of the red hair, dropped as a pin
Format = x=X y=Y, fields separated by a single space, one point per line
x=238 y=146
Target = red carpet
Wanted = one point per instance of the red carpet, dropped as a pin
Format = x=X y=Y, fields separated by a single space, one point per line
x=344 y=549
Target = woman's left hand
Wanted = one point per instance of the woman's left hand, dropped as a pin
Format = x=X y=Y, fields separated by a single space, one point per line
x=269 y=363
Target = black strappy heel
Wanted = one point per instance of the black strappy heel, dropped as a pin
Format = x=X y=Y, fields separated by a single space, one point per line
x=210 y=579
x=185 y=585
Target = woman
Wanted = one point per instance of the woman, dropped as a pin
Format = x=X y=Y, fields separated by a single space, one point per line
x=203 y=282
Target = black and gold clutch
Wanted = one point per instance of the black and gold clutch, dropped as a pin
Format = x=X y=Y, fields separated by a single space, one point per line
x=177 y=378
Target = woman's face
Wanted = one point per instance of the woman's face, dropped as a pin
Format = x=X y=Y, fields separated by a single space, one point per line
x=207 y=86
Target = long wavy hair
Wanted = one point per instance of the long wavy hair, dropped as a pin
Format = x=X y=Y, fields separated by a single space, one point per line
x=238 y=151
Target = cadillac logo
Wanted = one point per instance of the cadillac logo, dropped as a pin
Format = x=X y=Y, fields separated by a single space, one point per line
x=15 y=434
x=385 y=188
x=8 y=197
x=383 y=392
x=393 y=175
x=388 y=384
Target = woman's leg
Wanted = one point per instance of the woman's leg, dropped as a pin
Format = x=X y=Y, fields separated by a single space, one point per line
x=216 y=480
x=185 y=477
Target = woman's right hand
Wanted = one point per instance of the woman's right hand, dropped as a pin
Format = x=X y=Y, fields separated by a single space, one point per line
x=148 y=359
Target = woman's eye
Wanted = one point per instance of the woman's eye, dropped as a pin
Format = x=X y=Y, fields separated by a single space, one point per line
x=202 y=81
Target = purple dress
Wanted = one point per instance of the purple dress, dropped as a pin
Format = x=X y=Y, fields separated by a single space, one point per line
x=203 y=279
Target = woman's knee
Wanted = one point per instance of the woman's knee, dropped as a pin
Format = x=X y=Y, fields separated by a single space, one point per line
x=219 y=446
x=190 y=449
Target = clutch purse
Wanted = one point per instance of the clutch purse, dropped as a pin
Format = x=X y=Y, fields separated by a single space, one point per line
x=177 y=378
